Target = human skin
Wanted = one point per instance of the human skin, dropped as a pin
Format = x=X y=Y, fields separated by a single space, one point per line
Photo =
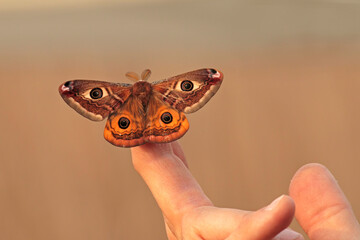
x=321 y=207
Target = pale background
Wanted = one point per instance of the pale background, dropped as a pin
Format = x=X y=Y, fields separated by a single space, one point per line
x=290 y=96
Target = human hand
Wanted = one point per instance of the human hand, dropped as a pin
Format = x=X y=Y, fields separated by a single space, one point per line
x=322 y=209
x=189 y=214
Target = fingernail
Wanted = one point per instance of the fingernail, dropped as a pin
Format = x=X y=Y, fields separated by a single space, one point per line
x=288 y=234
x=274 y=204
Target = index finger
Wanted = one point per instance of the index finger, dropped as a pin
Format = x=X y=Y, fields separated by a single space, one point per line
x=162 y=166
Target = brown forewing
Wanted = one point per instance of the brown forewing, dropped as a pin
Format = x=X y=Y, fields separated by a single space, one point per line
x=74 y=93
x=207 y=80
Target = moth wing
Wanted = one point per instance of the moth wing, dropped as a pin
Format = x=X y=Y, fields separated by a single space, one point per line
x=125 y=126
x=190 y=91
x=164 y=123
x=94 y=100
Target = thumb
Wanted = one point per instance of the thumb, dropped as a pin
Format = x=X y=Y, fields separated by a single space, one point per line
x=270 y=222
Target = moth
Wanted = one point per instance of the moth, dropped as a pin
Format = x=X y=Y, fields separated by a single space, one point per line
x=143 y=112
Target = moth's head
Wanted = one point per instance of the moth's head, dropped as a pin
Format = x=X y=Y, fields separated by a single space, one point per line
x=145 y=75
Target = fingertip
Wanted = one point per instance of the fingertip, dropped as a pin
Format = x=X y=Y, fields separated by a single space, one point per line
x=309 y=175
x=283 y=201
x=311 y=166
x=282 y=213
x=149 y=152
x=153 y=149
x=283 y=210
x=310 y=169
x=274 y=218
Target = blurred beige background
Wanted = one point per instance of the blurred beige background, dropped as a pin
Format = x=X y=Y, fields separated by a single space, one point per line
x=290 y=96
